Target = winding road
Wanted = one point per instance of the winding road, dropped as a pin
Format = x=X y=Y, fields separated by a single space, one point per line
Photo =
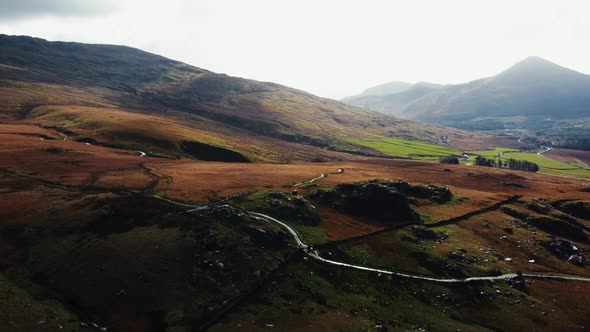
x=312 y=180
x=309 y=251
x=546 y=149
x=315 y=255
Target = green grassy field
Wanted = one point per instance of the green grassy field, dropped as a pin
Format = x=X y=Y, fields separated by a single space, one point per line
x=490 y=153
x=547 y=165
x=408 y=149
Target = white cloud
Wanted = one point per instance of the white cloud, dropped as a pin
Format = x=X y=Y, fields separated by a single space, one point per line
x=336 y=48
x=15 y=10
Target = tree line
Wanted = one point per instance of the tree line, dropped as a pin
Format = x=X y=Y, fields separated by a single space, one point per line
x=522 y=165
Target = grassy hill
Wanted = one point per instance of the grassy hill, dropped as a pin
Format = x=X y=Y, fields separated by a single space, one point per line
x=250 y=117
x=107 y=224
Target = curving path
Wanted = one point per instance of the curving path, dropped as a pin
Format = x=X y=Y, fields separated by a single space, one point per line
x=545 y=149
x=308 y=250
x=315 y=255
x=261 y=216
x=311 y=181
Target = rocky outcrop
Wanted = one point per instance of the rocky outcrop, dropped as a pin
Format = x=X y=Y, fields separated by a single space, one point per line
x=267 y=238
x=283 y=206
x=379 y=200
x=566 y=250
x=578 y=209
x=423 y=233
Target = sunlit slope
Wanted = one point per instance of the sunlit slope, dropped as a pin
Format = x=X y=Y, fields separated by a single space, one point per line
x=35 y=72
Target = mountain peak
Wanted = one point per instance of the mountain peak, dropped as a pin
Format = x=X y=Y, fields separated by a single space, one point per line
x=535 y=59
x=536 y=62
x=533 y=68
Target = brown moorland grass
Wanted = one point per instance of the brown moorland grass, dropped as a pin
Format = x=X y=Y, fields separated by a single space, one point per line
x=194 y=180
x=163 y=134
x=339 y=226
x=569 y=155
x=90 y=166
x=197 y=179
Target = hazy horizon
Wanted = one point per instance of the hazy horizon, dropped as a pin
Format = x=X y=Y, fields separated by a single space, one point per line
x=331 y=49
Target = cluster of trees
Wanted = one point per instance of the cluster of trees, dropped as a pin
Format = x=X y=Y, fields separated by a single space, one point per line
x=579 y=143
x=449 y=160
x=522 y=165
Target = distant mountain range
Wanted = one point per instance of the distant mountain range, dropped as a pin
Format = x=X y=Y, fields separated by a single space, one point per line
x=392 y=103
x=533 y=93
x=382 y=90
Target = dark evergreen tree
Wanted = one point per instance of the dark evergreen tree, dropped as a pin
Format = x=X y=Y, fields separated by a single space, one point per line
x=522 y=165
x=449 y=160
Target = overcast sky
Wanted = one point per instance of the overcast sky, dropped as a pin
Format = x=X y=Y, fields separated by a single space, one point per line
x=332 y=48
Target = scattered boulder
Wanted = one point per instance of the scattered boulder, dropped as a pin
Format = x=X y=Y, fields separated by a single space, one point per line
x=300 y=201
x=460 y=257
x=423 y=233
x=577 y=259
x=439 y=194
x=215 y=264
x=491 y=252
x=518 y=282
x=517 y=223
x=566 y=250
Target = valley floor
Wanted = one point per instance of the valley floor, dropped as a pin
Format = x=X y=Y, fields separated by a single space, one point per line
x=97 y=237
